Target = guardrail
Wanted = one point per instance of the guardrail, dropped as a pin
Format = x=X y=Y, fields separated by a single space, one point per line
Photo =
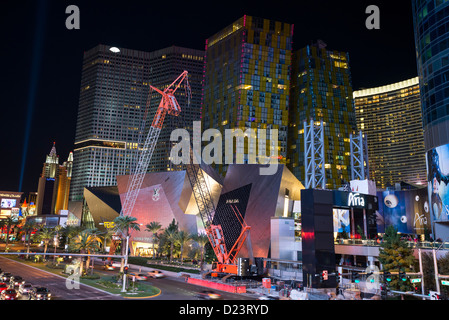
x=411 y=244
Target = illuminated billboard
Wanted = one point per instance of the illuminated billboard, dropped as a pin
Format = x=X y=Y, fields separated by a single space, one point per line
x=437 y=182
x=407 y=211
x=8 y=203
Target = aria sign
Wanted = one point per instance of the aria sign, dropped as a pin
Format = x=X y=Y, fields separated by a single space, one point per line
x=349 y=199
x=356 y=200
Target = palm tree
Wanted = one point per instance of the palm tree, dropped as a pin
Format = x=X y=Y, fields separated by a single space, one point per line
x=2 y=225
x=29 y=226
x=183 y=238
x=9 y=223
x=124 y=224
x=171 y=236
x=57 y=231
x=201 y=239
x=45 y=235
x=153 y=227
x=86 y=241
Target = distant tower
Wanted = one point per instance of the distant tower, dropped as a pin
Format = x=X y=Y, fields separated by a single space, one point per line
x=54 y=184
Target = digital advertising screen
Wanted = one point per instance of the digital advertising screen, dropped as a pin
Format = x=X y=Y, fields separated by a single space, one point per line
x=437 y=182
x=407 y=211
x=341 y=220
x=8 y=203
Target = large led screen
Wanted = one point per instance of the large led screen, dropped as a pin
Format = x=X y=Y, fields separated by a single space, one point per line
x=438 y=178
x=407 y=211
x=8 y=203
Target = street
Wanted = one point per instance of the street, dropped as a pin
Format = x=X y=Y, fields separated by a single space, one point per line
x=171 y=288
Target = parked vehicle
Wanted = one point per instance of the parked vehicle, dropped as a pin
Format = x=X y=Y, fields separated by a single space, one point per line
x=156 y=274
x=109 y=267
x=8 y=294
x=25 y=288
x=39 y=293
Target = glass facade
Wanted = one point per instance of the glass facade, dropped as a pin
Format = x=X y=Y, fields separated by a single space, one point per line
x=322 y=90
x=390 y=117
x=247 y=79
x=431 y=28
x=167 y=64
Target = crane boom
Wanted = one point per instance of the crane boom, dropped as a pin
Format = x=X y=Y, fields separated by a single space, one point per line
x=169 y=105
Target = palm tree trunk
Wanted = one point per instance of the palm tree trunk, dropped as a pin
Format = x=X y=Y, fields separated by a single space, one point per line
x=7 y=236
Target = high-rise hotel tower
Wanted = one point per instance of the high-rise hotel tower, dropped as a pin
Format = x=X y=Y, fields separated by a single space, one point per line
x=247 y=80
x=113 y=95
x=322 y=91
x=391 y=118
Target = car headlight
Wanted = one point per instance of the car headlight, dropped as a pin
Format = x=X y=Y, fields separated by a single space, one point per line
x=39 y=295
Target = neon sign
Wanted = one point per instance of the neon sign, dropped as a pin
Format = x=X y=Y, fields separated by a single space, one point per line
x=355 y=199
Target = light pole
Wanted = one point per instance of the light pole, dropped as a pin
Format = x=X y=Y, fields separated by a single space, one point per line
x=125 y=276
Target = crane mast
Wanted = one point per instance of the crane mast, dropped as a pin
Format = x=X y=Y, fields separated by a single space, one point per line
x=169 y=105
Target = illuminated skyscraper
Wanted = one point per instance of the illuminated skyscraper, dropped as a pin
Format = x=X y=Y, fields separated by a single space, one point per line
x=166 y=65
x=113 y=95
x=391 y=118
x=321 y=89
x=431 y=27
x=247 y=79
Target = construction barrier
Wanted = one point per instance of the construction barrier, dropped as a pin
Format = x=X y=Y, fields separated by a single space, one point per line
x=217 y=285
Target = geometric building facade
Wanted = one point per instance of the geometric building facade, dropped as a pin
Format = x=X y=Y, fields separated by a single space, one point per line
x=390 y=116
x=258 y=198
x=165 y=196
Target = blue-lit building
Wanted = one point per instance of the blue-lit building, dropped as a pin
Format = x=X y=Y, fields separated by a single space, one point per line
x=431 y=28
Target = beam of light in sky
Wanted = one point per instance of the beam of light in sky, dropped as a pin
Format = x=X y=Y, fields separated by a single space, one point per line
x=34 y=76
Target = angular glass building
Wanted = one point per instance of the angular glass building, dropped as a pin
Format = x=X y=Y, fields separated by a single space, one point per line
x=390 y=117
x=247 y=80
x=321 y=89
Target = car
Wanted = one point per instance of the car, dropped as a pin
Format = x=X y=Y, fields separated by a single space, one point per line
x=39 y=293
x=208 y=295
x=156 y=274
x=268 y=298
x=109 y=267
x=8 y=294
x=5 y=276
x=16 y=281
x=25 y=288
x=139 y=276
x=3 y=286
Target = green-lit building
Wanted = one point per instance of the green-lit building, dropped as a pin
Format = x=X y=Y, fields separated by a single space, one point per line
x=247 y=79
x=321 y=89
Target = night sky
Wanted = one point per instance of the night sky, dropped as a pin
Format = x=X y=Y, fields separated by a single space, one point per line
x=41 y=59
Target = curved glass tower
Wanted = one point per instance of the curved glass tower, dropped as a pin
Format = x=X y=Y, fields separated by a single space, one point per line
x=431 y=28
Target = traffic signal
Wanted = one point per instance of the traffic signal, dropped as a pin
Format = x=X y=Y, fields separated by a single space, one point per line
x=125 y=270
x=383 y=291
x=402 y=276
x=321 y=277
x=338 y=278
x=387 y=276
x=355 y=276
x=416 y=288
